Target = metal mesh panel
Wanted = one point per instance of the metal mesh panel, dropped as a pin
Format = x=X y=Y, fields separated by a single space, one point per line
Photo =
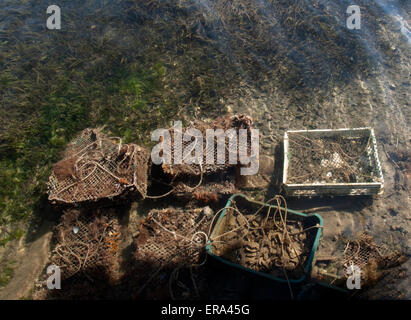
x=217 y=178
x=360 y=251
x=86 y=243
x=372 y=259
x=223 y=123
x=359 y=255
x=331 y=158
x=95 y=167
x=172 y=238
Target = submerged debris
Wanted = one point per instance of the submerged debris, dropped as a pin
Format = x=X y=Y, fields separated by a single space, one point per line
x=331 y=158
x=371 y=258
x=86 y=248
x=332 y=161
x=87 y=243
x=202 y=180
x=171 y=237
x=360 y=255
x=95 y=166
x=266 y=239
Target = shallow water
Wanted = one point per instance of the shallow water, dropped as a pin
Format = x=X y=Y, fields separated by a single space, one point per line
x=139 y=65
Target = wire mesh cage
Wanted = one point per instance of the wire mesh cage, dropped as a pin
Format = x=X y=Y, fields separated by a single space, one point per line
x=360 y=254
x=338 y=162
x=87 y=243
x=173 y=238
x=86 y=249
x=95 y=166
x=198 y=178
x=361 y=250
x=370 y=257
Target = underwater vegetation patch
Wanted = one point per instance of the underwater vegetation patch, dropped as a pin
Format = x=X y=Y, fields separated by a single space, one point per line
x=56 y=84
x=135 y=65
x=6 y=273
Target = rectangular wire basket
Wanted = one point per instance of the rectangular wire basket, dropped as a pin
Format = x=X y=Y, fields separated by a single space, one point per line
x=331 y=161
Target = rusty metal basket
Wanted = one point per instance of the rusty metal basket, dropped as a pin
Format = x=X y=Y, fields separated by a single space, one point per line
x=95 y=167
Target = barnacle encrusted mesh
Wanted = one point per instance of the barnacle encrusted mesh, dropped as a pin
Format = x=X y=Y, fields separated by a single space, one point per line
x=223 y=124
x=208 y=191
x=95 y=167
x=87 y=243
x=171 y=238
x=361 y=250
x=371 y=258
x=217 y=177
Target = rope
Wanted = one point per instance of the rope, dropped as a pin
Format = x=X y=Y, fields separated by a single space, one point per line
x=172 y=190
x=198 y=240
x=99 y=162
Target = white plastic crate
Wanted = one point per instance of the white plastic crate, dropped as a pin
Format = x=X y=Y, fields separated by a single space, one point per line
x=363 y=171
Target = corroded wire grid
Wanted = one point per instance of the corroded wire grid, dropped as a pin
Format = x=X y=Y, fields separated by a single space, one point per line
x=229 y=122
x=172 y=238
x=360 y=251
x=370 y=257
x=207 y=192
x=331 y=159
x=95 y=167
x=199 y=181
x=87 y=243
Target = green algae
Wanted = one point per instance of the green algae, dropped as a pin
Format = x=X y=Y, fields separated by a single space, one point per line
x=53 y=85
x=135 y=66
